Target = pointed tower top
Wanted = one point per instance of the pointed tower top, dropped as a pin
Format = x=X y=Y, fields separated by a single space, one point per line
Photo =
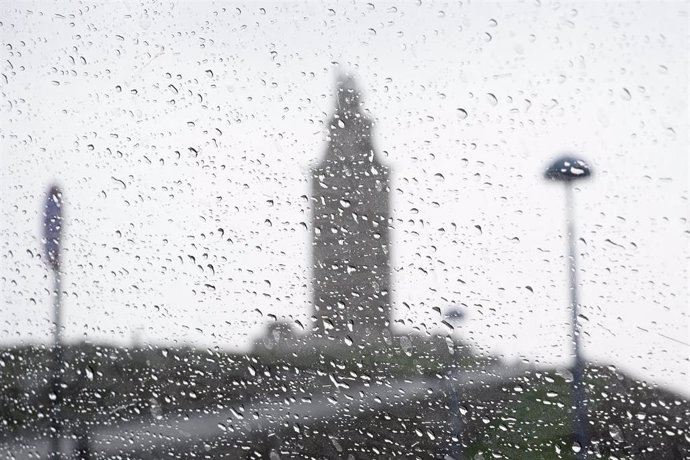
x=347 y=93
x=349 y=127
x=347 y=96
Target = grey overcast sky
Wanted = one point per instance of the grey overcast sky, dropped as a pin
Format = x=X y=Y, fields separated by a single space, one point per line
x=183 y=136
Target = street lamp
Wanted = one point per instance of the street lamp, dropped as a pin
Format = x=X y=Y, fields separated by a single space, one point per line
x=455 y=315
x=568 y=169
x=52 y=231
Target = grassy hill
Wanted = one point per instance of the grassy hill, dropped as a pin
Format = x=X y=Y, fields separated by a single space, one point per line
x=528 y=417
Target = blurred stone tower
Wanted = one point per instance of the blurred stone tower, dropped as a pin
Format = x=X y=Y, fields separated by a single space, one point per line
x=351 y=244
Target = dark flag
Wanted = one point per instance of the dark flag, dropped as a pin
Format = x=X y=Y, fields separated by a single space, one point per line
x=52 y=226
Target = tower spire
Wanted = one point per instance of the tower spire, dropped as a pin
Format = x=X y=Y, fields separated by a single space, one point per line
x=347 y=100
x=350 y=129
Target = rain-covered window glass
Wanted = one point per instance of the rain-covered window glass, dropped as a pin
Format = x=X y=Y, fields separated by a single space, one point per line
x=344 y=230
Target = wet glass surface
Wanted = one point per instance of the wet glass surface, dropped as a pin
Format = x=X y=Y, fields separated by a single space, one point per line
x=302 y=230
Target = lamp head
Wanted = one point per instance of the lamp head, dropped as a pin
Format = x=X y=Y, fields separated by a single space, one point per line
x=568 y=168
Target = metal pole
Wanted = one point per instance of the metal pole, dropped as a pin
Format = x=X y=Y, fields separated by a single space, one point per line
x=456 y=420
x=56 y=384
x=580 y=420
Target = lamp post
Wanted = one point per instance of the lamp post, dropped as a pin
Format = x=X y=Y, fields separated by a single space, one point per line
x=52 y=230
x=454 y=315
x=567 y=170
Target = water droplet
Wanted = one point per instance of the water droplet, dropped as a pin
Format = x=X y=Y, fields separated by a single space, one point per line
x=237 y=414
x=616 y=433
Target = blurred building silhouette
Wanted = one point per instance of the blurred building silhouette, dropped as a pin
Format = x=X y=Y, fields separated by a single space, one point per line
x=351 y=244
x=350 y=239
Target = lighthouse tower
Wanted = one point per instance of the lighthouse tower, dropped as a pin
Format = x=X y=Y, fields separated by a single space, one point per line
x=351 y=244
